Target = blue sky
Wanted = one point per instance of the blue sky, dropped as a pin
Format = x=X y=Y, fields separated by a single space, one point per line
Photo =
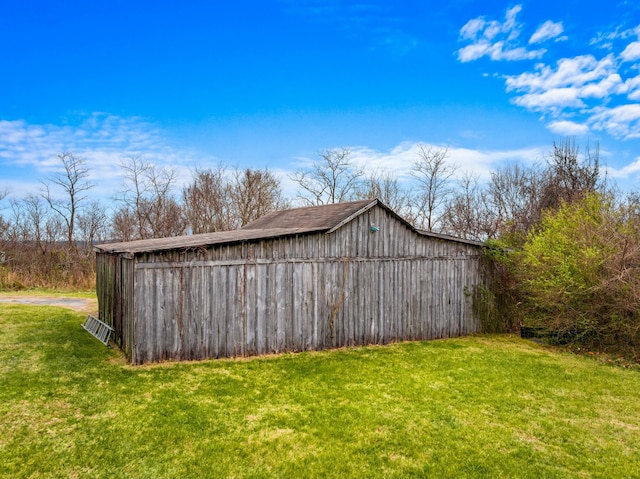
x=269 y=83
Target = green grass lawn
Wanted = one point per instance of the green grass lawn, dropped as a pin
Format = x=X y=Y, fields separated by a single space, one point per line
x=470 y=407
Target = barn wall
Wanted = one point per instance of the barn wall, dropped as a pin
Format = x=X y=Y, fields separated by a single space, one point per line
x=220 y=309
x=304 y=293
x=115 y=291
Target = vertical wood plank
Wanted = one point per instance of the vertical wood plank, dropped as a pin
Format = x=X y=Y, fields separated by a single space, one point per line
x=261 y=308
x=250 y=310
x=282 y=299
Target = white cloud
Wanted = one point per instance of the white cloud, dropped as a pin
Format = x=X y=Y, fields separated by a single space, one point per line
x=488 y=30
x=547 y=31
x=568 y=128
x=631 y=52
x=627 y=171
x=510 y=25
x=399 y=159
x=632 y=88
x=551 y=101
x=576 y=92
x=473 y=52
x=103 y=140
x=552 y=90
x=519 y=53
x=606 y=87
x=472 y=28
x=492 y=30
x=498 y=40
x=571 y=87
x=606 y=39
x=622 y=121
x=570 y=72
x=497 y=51
x=483 y=162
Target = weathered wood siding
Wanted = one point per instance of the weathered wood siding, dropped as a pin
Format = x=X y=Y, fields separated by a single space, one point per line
x=115 y=291
x=307 y=292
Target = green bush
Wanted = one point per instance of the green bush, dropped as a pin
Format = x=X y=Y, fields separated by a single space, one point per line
x=579 y=277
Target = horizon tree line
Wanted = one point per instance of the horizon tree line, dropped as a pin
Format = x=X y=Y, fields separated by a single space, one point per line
x=60 y=223
x=562 y=243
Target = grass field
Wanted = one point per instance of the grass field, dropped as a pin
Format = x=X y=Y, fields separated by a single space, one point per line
x=471 y=407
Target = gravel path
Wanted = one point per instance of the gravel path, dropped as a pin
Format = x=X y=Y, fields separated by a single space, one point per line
x=78 y=304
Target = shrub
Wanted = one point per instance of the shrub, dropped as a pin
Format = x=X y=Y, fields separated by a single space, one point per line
x=579 y=274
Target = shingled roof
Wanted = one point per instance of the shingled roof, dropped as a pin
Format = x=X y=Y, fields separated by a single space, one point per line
x=310 y=219
x=313 y=218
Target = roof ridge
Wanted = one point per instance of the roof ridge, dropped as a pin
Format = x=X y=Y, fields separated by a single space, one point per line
x=327 y=205
x=320 y=217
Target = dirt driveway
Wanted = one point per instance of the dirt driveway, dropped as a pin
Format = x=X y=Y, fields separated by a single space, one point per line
x=84 y=305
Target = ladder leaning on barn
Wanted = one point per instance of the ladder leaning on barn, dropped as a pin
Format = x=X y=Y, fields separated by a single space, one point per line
x=97 y=328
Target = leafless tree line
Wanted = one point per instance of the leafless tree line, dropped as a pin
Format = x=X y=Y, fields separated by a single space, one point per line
x=47 y=237
x=58 y=225
x=436 y=199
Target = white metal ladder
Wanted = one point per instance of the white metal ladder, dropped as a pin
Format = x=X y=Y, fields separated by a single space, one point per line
x=98 y=328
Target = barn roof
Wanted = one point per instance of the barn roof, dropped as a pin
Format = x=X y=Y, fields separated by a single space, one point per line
x=313 y=218
x=310 y=219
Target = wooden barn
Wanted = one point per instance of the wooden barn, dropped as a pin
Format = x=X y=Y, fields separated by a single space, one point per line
x=301 y=279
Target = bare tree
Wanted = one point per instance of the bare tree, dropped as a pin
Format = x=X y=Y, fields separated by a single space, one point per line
x=4 y=225
x=567 y=177
x=332 y=178
x=123 y=224
x=18 y=230
x=468 y=215
x=518 y=195
x=73 y=184
x=433 y=176
x=631 y=209
x=385 y=187
x=207 y=201
x=163 y=211
x=135 y=190
x=37 y=216
x=167 y=218
x=93 y=225
x=254 y=194
x=515 y=192
x=148 y=195
x=219 y=200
